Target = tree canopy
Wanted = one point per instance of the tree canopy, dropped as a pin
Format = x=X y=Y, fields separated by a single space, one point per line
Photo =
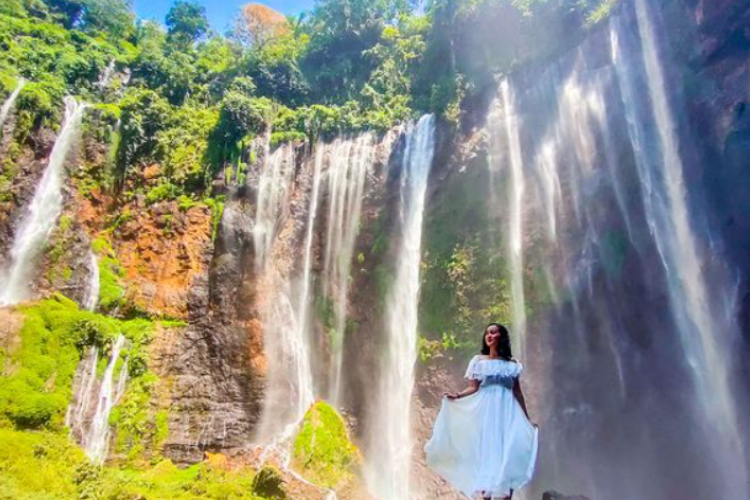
x=187 y=21
x=190 y=98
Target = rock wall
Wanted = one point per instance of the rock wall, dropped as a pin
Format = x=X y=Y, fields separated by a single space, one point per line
x=185 y=263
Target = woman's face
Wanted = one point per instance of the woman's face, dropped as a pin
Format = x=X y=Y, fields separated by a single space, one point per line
x=492 y=336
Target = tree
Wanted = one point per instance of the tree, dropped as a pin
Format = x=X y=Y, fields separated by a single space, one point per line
x=276 y=72
x=340 y=31
x=258 y=25
x=144 y=114
x=186 y=22
x=109 y=16
x=69 y=12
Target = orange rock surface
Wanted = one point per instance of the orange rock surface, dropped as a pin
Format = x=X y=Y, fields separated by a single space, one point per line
x=162 y=253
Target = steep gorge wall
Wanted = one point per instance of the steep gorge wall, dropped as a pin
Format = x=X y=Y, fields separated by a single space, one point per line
x=174 y=261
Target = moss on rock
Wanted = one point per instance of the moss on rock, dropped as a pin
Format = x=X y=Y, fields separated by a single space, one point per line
x=323 y=452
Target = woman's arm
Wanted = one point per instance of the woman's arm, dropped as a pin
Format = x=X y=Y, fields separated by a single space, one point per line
x=473 y=387
x=518 y=393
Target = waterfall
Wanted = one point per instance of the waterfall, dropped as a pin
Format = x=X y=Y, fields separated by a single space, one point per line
x=284 y=302
x=274 y=190
x=630 y=356
x=40 y=217
x=92 y=403
x=703 y=328
x=96 y=440
x=106 y=75
x=515 y=201
x=92 y=294
x=349 y=162
x=306 y=397
x=339 y=170
x=78 y=409
x=390 y=450
x=8 y=104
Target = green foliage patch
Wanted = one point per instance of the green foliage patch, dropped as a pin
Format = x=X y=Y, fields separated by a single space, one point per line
x=322 y=449
x=111 y=291
x=37 y=378
x=464 y=270
x=46 y=465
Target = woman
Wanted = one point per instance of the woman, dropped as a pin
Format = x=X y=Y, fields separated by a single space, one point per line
x=483 y=442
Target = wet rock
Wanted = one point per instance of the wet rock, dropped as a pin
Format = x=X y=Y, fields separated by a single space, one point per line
x=268 y=483
x=554 y=495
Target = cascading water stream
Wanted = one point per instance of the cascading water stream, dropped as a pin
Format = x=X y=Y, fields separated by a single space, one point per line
x=92 y=294
x=339 y=173
x=78 y=409
x=703 y=329
x=284 y=306
x=106 y=75
x=88 y=412
x=40 y=218
x=390 y=451
x=10 y=101
x=350 y=160
x=274 y=189
x=305 y=393
x=96 y=440
x=515 y=236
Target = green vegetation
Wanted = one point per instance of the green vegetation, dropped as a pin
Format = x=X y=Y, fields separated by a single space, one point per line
x=217 y=211
x=111 y=292
x=195 y=98
x=601 y=12
x=46 y=465
x=322 y=449
x=134 y=424
x=37 y=377
x=464 y=272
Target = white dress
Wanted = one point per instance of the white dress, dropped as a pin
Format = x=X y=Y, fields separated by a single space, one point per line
x=483 y=443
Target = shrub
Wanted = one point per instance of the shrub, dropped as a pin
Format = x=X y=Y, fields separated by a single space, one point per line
x=162 y=192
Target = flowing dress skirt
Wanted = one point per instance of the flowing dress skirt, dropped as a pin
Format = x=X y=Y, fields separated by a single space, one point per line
x=483 y=443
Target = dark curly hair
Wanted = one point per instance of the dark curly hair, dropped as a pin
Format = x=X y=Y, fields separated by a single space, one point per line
x=503 y=347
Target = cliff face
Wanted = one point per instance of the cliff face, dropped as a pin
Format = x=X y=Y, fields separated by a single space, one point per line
x=718 y=110
x=597 y=299
x=197 y=263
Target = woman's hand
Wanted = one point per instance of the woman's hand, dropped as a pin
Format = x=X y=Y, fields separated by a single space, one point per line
x=451 y=395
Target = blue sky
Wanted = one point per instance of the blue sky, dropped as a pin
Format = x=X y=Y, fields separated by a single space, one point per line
x=220 y=12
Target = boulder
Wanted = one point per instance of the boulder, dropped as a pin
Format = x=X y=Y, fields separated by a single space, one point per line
x=554 y=495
